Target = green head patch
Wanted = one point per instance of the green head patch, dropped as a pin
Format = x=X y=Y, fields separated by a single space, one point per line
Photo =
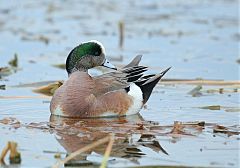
x=91 y=48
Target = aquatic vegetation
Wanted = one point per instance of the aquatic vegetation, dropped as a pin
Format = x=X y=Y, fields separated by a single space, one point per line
x=14 y=157
x=193 y=117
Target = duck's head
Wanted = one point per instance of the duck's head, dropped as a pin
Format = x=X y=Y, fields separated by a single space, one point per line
x=87 y=55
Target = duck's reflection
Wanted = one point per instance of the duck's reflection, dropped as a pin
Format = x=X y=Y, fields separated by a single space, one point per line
x=130 y=136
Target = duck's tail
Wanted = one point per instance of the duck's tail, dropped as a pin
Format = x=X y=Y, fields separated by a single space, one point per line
x=147 y=83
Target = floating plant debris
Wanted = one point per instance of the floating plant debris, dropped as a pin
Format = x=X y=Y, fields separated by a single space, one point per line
x=14 y=157
x=2 y=87
x=61 y=66
x=200 y=82
x=195 y=92
x=41 y=33
x=49 y=89
x=30 y=37
x=10 y=121
x=14 y=61
x=226 y=130
x=212 y=107
x=5 y=71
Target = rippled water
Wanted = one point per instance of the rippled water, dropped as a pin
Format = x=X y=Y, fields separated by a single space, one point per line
x=199 y=39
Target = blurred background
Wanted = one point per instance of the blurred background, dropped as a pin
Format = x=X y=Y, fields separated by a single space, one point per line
x=199 y=39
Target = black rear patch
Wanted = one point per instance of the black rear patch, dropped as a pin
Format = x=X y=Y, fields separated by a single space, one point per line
x=127 y=89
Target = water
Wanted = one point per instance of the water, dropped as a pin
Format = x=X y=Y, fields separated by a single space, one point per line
x=199 y=39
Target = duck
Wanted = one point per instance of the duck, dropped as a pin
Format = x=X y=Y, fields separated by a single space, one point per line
x=120 y=92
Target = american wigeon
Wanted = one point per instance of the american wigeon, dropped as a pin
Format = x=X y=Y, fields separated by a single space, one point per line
x=118 y=93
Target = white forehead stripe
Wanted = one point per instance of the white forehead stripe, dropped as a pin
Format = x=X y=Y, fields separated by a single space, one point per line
x=99 y=43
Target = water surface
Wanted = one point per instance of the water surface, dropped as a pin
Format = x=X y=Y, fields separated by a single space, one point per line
x=199 y=39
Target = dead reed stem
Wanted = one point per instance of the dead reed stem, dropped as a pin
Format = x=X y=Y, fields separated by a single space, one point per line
x=107 y=152
x=79 y=151
x=199 y=82
x=121 y=34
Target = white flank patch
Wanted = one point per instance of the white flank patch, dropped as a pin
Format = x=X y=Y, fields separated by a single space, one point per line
x=58 y=111
x=108 y=114
x=136 y=93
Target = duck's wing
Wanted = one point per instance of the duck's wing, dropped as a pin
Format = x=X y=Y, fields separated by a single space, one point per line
x=117 y=80
x=134 y=62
